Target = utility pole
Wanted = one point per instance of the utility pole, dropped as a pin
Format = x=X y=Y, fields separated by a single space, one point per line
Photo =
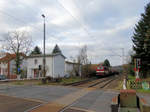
x=44 y=72
x=124 y=72
x=122 y=50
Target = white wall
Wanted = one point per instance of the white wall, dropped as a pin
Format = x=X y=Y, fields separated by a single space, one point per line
x=31 y=65
x=68 y=68
x=3 y=67
x=59 y=66
x=55 y=66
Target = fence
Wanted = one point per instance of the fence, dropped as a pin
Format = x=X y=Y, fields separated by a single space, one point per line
x=139 y=85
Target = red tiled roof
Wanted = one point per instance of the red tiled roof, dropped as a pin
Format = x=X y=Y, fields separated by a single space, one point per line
x=9 y=57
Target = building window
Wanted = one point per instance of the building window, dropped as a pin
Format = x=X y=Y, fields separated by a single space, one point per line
x=35 y=61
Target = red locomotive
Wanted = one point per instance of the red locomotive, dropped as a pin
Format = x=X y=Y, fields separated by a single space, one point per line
x=103 y=70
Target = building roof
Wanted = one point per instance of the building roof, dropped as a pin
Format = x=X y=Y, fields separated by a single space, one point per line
x=68 y=62
x=9 y=57
x=47 y=55
x=56 y=51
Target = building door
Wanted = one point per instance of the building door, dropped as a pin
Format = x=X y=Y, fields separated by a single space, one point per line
x=35 y=73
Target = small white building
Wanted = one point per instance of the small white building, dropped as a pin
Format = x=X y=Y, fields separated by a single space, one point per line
x=55 y=65
x=72 y=68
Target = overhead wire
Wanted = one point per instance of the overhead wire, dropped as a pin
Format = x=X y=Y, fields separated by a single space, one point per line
x=45 y=20
x=75 y=18
x=81 y=24
x=22 y=21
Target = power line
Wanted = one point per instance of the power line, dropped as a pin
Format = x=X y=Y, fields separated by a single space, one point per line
x=15 y=18
x=37 y=12
x=27 y=6
x=22 y=21
x=77 y=20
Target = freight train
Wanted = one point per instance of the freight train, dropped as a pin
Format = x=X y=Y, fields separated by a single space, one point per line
x=105 y=71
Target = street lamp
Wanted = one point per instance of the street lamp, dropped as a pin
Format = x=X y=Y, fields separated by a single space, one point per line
x=44 y=72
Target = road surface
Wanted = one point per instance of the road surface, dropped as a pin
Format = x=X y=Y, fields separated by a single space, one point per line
x=27 y=98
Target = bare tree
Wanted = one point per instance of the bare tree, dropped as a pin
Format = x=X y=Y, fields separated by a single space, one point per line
x=82 y=59
x=17 y=42
x=129 y=67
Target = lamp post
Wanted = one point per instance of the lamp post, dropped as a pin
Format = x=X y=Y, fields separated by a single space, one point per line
x=44 y=72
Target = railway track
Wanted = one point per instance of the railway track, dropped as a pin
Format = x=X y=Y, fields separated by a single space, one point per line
x=107 y=82
x=95 y=83
x=100 y=83
x=81 y=82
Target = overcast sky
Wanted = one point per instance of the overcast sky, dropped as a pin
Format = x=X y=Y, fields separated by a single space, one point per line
x=105 y=26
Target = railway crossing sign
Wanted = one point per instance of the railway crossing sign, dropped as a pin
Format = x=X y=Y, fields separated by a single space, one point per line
x=137 y=63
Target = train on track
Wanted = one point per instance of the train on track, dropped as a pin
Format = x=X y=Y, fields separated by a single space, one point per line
x=105 y=71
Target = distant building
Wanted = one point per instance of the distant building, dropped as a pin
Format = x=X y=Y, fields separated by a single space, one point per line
x=8 y=65
x=72 y=68
x=56 y=66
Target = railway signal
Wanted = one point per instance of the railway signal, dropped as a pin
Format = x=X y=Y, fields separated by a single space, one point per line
x=137 y=64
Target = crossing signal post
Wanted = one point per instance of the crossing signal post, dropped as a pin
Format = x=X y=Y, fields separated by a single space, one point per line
x=137 y=66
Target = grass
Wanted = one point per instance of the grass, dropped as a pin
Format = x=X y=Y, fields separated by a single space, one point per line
x=49 y=83
x=18 y=83
x=63 y=81
x=24 y=82
x=120 y=86
x=146 y=79
x=70 y=80
x=143 y=91
x=131 y=78
x=39 y=82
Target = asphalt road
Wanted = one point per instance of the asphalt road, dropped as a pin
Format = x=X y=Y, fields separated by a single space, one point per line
x=96 y=100
x=42 y=93
x=23 y=98
x=12 y=104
